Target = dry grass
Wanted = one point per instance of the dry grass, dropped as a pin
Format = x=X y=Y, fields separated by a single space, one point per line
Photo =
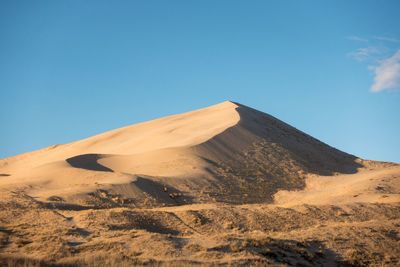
x=214 y=234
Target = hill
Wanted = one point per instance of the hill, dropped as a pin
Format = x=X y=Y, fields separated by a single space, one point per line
x=222 y=185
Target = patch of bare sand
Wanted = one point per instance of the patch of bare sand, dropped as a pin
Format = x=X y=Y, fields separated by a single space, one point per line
x=374 y=186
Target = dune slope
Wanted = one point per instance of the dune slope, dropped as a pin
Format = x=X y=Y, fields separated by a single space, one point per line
x=227 y=152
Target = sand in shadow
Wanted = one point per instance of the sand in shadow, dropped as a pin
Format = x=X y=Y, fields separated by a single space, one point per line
x=316 y=156
x=88 y=162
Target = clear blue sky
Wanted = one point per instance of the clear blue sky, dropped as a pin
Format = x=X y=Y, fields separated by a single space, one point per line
x=72 y=69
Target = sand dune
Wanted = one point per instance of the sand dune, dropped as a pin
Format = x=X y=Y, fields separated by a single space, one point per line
x=227 y=152
x=226 y=184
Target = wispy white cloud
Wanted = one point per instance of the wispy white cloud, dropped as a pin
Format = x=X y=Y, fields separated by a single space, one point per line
x=387 y=39
x=382 y=53
x=387 y=74
x=364 y=53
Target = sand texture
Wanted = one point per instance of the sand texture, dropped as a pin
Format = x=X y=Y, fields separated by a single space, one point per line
x=223 y=185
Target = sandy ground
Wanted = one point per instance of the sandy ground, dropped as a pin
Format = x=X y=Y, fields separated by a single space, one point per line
x=224 y=185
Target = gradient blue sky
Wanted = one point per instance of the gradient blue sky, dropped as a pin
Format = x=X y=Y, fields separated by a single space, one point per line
x=72 y=69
